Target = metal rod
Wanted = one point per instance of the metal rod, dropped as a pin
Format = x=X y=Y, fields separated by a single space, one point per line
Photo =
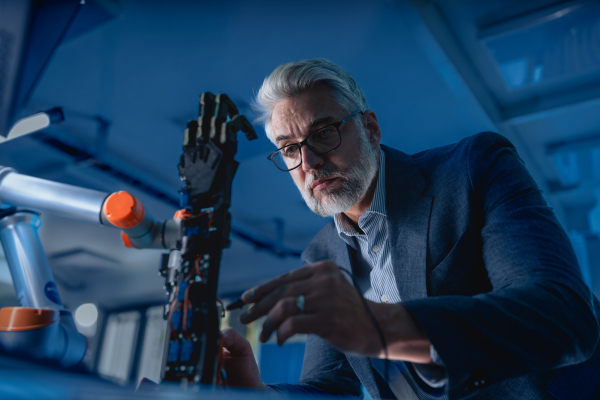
x=50 y=197
x=27 y=262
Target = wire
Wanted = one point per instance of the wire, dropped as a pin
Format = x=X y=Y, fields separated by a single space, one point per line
x=184 y=323
x=375 y=323
x=173 y=303
x=198 y=267
x=173 y=332
x=186 y=306
x=205 y=211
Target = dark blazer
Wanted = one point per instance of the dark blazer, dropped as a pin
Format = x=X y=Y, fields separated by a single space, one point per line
x=488 y=273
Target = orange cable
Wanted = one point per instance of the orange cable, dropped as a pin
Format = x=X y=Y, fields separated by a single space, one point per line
x=171 y=310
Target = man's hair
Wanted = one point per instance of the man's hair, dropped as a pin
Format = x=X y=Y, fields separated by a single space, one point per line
x=293 y=78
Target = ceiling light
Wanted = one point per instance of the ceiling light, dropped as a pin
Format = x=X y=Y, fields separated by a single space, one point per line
x=86 y=315
x=35 y=123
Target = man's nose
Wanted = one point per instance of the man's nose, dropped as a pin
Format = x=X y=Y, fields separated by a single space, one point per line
x=310 y=159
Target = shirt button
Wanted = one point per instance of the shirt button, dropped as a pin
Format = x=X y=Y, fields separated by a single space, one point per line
x=375 y=249
x=384 y=298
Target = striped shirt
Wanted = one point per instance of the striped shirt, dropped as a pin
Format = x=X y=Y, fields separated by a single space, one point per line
x=374 y=273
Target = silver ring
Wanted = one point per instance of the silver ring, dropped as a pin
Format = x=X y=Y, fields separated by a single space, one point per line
x=300 y=304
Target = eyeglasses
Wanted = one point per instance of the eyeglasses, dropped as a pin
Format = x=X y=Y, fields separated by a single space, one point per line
x=322 y=141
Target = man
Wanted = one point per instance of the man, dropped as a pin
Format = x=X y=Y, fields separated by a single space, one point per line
x=471 y=285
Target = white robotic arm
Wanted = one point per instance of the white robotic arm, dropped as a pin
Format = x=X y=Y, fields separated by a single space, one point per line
x=42 y=328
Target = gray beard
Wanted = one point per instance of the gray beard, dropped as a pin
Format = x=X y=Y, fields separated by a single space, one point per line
x=354 y=186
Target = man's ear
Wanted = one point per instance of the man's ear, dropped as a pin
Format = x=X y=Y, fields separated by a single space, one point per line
x=372 y=129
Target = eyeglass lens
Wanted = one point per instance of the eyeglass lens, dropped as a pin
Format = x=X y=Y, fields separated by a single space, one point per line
x=320 y=142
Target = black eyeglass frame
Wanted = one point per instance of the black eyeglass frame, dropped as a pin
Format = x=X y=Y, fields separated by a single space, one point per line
x=336 y=125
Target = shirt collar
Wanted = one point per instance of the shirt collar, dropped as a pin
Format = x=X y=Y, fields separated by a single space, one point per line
x=342 y=223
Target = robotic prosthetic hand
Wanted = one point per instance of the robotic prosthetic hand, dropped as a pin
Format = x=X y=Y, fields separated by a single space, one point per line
x=207 y=166
x=196 y=237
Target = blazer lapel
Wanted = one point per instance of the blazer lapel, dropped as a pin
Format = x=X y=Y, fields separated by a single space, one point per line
x=408 y=223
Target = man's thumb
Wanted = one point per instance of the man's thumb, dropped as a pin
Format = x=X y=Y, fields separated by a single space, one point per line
x=236 y=344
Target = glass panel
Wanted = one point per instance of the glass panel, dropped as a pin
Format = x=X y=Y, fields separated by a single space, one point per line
x=281 y=364
x=563 y=47
x=567 y=166
x=153 y=347
x=118 y=346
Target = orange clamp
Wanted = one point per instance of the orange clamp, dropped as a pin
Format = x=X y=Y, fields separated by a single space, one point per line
x=126 y=240
x=182 y=214
x=123 y=210
x=26 y=319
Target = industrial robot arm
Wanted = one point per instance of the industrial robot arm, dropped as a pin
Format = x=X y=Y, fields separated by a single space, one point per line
x=195 y=237
x=42 y=328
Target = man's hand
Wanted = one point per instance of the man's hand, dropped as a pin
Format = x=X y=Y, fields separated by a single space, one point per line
x=239 y=362
x=333 y=310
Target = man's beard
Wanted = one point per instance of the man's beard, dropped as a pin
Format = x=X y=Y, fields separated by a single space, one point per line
x=355 y=182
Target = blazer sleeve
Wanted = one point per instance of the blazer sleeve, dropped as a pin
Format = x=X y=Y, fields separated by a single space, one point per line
x=325 y=371
x=540 y=314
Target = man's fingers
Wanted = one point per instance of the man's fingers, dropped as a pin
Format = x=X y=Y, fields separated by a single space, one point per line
x=255 y=294
x=269 y=301
x=299 y=324
x=283 y=309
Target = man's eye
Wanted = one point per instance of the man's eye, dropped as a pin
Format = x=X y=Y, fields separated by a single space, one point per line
x=324 y=133
x=289 y=151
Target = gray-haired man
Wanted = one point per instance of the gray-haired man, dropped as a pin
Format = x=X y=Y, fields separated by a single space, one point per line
x=471 y=285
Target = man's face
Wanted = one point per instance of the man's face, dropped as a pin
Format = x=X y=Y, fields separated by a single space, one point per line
x=333 y=182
